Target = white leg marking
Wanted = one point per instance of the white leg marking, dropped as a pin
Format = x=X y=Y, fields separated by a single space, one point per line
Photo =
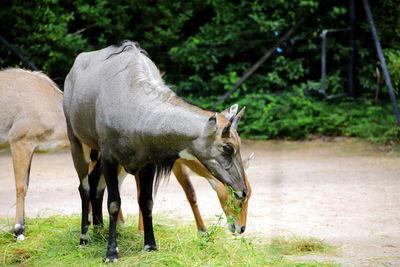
x=114 y=260
x=113 y=207
x=85 y=183
x=121 y=177
x=203 y=233
x=21 y=237
x=101 y=185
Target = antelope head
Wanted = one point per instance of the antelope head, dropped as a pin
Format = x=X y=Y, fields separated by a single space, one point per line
x=235 y=210
x=218 y=148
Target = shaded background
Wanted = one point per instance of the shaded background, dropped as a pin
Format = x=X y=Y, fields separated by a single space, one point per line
x=204 y=47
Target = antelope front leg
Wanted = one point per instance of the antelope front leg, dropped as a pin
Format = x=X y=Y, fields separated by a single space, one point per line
x=110 y=170
x=140 y=223
x=97 y=187
x=146 y=178
x=80 y=157
x=121 y=177
x=182 y=176
x=22 y=157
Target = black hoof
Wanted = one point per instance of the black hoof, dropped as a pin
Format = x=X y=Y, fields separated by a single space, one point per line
x=83 y=241
x=112 y=254
x=111 y=259
x=203 y=233
x=150 y=248
x=18 y=232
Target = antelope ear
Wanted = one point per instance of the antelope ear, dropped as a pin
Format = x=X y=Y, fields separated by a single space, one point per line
x=230 y=113
x=246 y=161
x=226 y=132
x=211 y=125
x=238 y=117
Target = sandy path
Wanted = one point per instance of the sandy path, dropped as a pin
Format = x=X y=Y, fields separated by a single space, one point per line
x=345 y=193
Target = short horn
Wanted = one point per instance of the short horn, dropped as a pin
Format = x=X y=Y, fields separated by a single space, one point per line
x=230 y=112
x=238 y=117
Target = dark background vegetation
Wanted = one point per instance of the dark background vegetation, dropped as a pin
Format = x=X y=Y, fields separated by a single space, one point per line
x=205 y=46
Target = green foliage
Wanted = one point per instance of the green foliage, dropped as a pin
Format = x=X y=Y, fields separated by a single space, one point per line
x=204 y=47
x=296 y=115
x=393 y=61
x=54 y=242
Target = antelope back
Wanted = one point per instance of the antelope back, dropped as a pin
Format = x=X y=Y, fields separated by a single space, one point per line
x=31 y=109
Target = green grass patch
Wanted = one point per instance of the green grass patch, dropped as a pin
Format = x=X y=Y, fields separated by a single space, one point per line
x=54 y=241
x=296 y=245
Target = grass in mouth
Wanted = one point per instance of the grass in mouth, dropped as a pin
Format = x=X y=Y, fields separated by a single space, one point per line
x=54 y=241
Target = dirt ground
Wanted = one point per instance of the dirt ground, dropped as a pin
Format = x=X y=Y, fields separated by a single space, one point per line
x=344 y=192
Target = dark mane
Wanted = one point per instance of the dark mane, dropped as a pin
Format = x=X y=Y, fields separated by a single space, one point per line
x=126 y=44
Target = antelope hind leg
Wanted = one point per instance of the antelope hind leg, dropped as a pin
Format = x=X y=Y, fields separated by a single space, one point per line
x=110 y=170
x=140 y=222
x=97 y=187
x=182 y=176
x=22 y=153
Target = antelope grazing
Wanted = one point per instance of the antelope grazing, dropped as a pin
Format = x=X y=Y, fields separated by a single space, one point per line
x=235 y=211
x=31 y=119
x=236 y=218
x=29 y=124
x=116 y=102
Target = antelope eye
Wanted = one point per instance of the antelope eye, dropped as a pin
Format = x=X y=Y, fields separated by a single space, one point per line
x=228 y=149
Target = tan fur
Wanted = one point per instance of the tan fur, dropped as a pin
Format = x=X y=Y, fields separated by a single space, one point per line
x=180 y=170
x=31 y=119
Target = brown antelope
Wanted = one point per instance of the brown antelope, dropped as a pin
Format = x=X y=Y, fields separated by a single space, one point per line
x=31 y=119
x=236 y=216
x=116 y=102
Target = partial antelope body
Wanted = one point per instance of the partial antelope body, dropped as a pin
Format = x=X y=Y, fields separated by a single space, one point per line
x=233 y=209
x=38 y=124
x=229 y=205
x=31 y=119
x=116 y=102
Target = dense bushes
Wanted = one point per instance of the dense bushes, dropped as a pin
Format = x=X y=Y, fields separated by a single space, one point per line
x=205 y=46
x=293 y=115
